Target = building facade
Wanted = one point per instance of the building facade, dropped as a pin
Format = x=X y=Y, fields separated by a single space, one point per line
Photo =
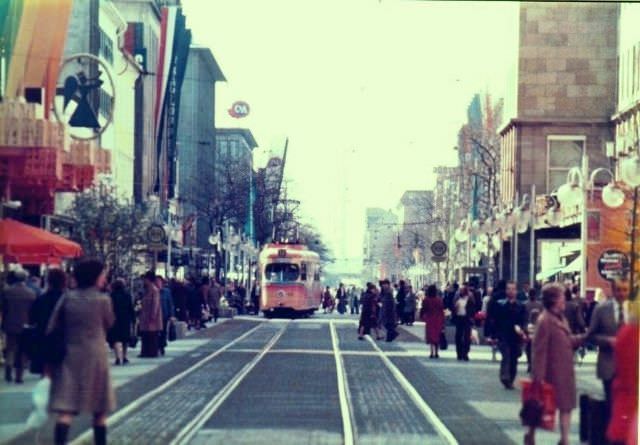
x=141 y=40
x=380 y=251
x=234 y=177
x=567 y=58
x=196 y=146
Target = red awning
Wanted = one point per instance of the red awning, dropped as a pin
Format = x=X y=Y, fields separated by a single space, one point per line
x=26 y=244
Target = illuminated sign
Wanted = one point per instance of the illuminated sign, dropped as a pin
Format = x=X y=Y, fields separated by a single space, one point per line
x=239 y=109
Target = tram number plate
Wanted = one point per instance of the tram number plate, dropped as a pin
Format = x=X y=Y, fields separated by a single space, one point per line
x=282 y=253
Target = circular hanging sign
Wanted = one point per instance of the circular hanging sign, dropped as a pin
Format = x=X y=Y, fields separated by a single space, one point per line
x=85 y=96
x=613 y=265
x=239 y=109
x=439 y=248
x=156 y=236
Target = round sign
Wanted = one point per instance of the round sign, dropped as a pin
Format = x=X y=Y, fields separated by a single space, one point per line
x=239 y=109
x=439 y=248
x=85 y=96
x=156 y=236
x=613 y=265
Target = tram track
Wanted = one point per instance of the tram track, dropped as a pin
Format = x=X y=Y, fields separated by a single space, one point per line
x=189 y=431
x=121 y=414
x=445 y=434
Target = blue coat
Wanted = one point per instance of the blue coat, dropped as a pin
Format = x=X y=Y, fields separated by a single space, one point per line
x=166 y=303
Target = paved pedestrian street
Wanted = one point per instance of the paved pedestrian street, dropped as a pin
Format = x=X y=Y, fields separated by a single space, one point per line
x=308 y=381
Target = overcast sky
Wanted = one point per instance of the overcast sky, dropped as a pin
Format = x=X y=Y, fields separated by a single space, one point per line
x=371 y=93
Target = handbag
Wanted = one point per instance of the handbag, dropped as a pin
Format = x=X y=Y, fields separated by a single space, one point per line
x=538 y=405
x=444 y=344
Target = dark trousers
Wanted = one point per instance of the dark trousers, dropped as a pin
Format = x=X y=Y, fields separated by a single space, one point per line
x=463 y=337
x=606 y=385
x=391 y=332
x=509 y=364
x=149 y=343
x=355 y=307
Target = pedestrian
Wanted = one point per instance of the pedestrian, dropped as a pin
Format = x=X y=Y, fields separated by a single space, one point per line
x=120 y=333
x=624 y=390
x=511 y=332
x=341 y=298
x=81 y=383
x=533 y=309
x=34 y=283
x=150 y=317
x=464 y=312
x=213 y=299
x=168 y=311
x=40 y=314
x=432 y=313
x=410 y=306
x=369 y=313
x=354 y=301
x=327 y=300
x=490 y=322
x=401 y=297
x=255 y=299
x=552 y=358
x=179 y=294
x=607 y=319
x=573 y=313
x=588 y=307
x=194 y=304
x=389 y=314
x=16 y=302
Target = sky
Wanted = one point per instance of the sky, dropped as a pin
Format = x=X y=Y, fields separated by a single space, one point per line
x=370 y=93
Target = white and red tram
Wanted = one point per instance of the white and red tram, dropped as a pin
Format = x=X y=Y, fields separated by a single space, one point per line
x=289 y=277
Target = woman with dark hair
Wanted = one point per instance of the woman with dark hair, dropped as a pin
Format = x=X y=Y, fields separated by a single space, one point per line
x=120 y=332
x=552 y=357
x=41 y=312
x=432 y=313
x=81 y=382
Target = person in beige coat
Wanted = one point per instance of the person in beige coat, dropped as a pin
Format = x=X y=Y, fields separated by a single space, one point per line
x=150 y=318
x=81 y=383
x=552 y=357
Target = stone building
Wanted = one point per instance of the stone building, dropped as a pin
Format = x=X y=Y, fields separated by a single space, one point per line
x=563 y=96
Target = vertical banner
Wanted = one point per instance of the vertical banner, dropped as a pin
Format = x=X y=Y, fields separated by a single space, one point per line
x=608 y=242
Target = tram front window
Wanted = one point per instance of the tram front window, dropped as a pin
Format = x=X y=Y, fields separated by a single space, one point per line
x=281 y=272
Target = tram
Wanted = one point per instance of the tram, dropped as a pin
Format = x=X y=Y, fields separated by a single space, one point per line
x=289 y=279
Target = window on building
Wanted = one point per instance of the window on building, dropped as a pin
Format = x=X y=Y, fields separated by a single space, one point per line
x=303 y=271
x=106 y=47
x=564 y=152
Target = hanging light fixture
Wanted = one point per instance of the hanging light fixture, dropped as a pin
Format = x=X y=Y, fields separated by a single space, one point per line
x=630 y=170
x=570 y=193
x=612 y=195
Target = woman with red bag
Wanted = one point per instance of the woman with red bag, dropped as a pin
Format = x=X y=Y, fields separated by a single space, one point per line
x=552 y=358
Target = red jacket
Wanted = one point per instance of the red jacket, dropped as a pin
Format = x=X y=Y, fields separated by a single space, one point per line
x=625 y=384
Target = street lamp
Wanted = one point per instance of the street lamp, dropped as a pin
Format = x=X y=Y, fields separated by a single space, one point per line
x=575 y=192
x=630 y=170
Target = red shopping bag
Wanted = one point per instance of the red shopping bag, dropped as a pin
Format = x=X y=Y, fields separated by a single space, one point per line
x=538 y=405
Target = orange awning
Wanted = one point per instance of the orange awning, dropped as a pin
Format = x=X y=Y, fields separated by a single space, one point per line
x=26 y=244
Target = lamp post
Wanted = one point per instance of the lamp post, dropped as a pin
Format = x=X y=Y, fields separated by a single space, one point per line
x=576 y=192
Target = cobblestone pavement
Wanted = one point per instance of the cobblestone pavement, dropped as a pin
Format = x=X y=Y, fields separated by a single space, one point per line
x=311 y=381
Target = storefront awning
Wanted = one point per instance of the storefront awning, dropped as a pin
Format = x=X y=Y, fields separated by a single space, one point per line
x=548 y=273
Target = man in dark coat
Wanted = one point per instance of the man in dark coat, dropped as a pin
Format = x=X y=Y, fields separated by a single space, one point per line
x=16 y=301
x=389 y=314
x=511 y=328
x=341 y=299
x=400 y=300
x=606 y=320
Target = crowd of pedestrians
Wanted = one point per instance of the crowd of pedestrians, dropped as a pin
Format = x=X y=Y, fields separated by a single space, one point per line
x=64 y=331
